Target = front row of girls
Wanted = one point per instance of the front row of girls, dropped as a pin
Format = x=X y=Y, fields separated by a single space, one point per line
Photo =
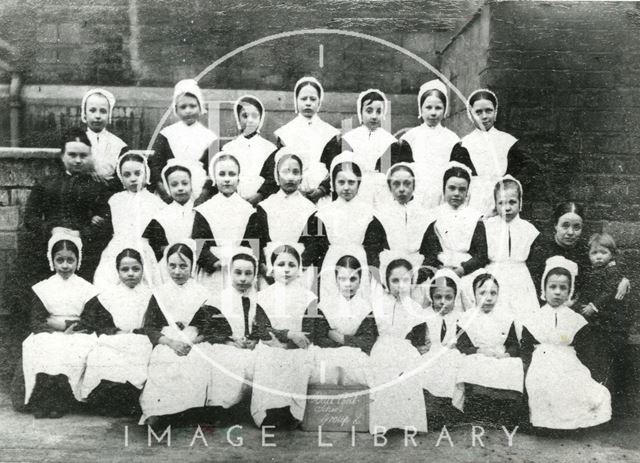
x=162 y=352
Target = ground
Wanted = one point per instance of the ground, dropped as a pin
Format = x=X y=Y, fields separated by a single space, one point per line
x=86 y=437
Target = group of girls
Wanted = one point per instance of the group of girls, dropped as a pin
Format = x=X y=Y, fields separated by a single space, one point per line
x=307 y=263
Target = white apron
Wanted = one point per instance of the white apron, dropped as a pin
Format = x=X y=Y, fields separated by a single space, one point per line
x=105 y=150
x=121 y=357
x=251 y=154
x=58 y=353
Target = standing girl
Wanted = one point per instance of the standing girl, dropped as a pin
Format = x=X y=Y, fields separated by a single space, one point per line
x=96 y=111
x=396 y=390
x=374 y=147
x=117 y=366
x=249 y=148
x=179 y=220
x=315 y=141
x=431 y=143
x=283 y=365
x=282 y=217
x=456 y=239
x=227 y=216
x=131 y=212
x=562 y=393
x=345 y=328
x=347 y=221
x=177 y=320
x=186 y=140
x=487 y=151
x=54 y=356
x=509 y=241
x=490 y=378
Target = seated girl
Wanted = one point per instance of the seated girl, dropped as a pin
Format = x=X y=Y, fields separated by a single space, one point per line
x=117 y=367
x=131 y=212
x=176 y=321
x=54 y=356
x=562 y=394
x=283 y=364
x=395 y=387
x=345 y=328
x=440 y=359
x=490 y=378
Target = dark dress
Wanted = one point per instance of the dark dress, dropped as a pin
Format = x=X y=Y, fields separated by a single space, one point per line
x=363 y=339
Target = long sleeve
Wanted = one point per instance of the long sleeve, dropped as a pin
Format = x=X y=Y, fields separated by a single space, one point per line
x=330 y=151
x=460 y=154
x=429 y=249
x=96 y=319
x=35 y=220
x=261 y=326
x=478 y=250
x=375 y=241
x=154 y=321
x=366 y=335
x=38 y=316
x=212 y=325
x=269 y=186
x=527 y=345
x=157 y=238
x=464 y=343
x=258 y=230
x=315 y=242
x=202 y=231
x=418 y=335
x=320 y=335
x=162 y=153
x=511 y=344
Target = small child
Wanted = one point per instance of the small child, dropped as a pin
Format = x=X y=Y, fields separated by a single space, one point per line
x=131 y=212
x=604 y=353
x=562 y=394
x=96 y=112
x=186 y=140
x=69 y=201
x=249 y=148
x=490 y=377
x=177 y=320
x=283 y=364
x=54 y=356
x=117 y=367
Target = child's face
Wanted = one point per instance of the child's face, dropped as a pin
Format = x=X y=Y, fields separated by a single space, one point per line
x=187 y=109
x=443 y=299
x=77 y=157
x=557 y=289
x=508 y=203
x=289 y=175
x=242 y=274
x=249 y=118
x=179 y=186
x=432 y=110
x=179 y=268
x=130 y=272
x=132 y=175
x=65 y=263
x=226 y=172
x=97 y=112
x=487 y=296
x=399 y=282
x=285 y=268
x=348 y=281
x=308 y=101
x=455 y=191
x=599 y=255
x=484 y=114
x=402 y=184
x=568 y=229
x=372 y=114
x=346 y=185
